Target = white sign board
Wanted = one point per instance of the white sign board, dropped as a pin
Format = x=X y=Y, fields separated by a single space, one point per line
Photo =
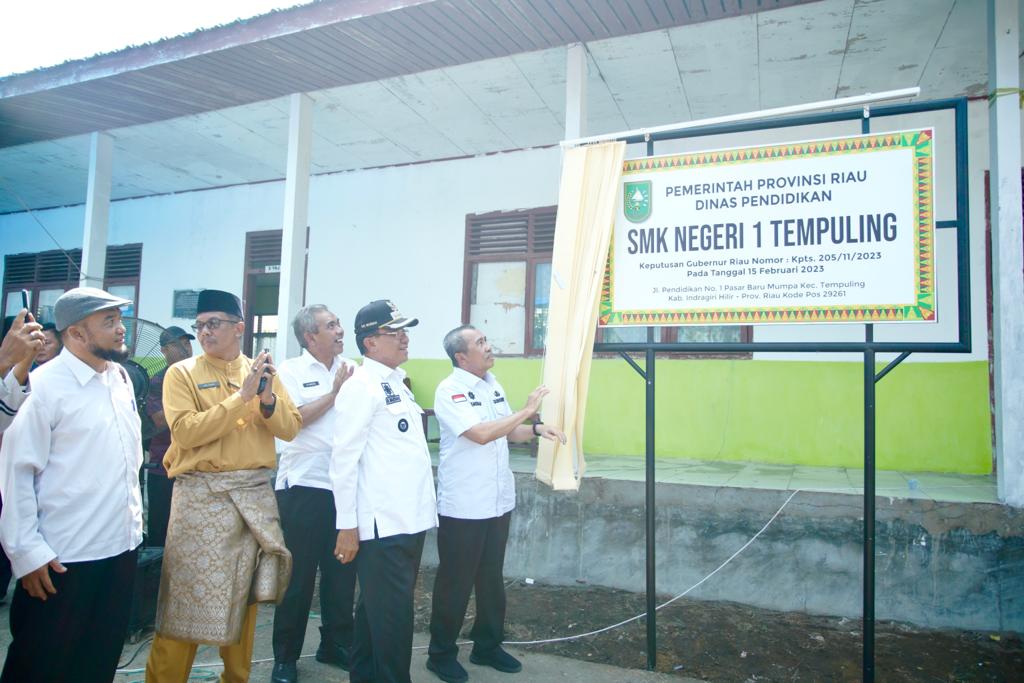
x=837 y=230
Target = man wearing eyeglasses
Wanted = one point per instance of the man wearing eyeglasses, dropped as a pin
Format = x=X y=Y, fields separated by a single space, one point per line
x=224 y=550
x=476 y=493
x=383 y=493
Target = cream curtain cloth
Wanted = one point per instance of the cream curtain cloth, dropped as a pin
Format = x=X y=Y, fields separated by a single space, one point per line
x=586 y=207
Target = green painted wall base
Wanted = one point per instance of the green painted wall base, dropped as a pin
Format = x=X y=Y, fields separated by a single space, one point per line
x=931 y=416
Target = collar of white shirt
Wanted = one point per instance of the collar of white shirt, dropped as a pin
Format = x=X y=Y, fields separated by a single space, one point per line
x=469 y=380
x=311 y=360
x=82 y=371
x=382 y=370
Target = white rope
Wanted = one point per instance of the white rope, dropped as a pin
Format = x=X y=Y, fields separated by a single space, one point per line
x=577 y=636
x=668 y=602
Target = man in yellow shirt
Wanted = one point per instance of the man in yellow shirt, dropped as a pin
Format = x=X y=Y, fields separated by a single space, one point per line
x=224 y=550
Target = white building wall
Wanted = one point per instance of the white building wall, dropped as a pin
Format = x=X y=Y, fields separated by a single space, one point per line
x=399 y=233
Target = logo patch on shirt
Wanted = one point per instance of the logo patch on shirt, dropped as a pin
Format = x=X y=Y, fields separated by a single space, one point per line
x=471 y=395
x=475 y=403
x=458 y=398
x=500 y=399
x=403 y=425
x=307 y=385
x=209 y=385
x=389 y=394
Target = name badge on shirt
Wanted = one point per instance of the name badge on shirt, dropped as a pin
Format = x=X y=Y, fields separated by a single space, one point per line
x=389 y=394
x=209 y=385
x=307 y=385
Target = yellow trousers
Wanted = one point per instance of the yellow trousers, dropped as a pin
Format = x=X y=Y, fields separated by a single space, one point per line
x=170 y=661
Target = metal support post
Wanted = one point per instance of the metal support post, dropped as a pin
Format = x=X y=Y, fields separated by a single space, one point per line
x=652 y=594
x=869 y=509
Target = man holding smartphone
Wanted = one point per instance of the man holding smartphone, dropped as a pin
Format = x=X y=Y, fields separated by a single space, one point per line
x=18 y=349
x=20 y=345
x=224 y=550
x=72 y=519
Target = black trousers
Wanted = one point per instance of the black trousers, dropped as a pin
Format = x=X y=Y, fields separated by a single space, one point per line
x=5 y=568
x=382 y=647
x=76 y=635
x=471 y=554
x=158 y=494
x=308 y=522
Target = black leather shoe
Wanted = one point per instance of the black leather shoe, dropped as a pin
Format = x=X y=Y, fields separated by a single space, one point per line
x=284 y=672
x=335 y=655
x=497 y=659
x=449 y=671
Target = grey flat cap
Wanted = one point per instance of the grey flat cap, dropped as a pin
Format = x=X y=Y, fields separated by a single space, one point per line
x=81 y=302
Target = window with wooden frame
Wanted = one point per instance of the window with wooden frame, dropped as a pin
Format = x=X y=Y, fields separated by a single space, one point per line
x=506 y=287
x=506 y=284
x=48 y=274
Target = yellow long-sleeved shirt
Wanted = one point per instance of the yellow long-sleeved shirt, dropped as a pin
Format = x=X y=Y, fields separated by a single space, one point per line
x=212 y=429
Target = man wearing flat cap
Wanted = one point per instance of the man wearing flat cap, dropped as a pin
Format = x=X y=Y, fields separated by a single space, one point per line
x=175 y=345
x=72 y=516
x=224 y=551
x=383 y=493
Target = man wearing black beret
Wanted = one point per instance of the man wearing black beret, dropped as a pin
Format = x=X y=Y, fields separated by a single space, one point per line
x=224 y=550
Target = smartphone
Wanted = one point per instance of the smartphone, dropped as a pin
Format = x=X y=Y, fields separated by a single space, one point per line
x=24 y=304
x=263 y=379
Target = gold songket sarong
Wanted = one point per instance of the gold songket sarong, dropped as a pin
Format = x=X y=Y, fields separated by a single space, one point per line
x=224 y=551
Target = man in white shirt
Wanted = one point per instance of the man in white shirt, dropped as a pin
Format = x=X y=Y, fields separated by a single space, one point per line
x=21 y=343
x=19 y=348
x=475 y=497
x=306 y=501
x=384 y=493
x=72 y=519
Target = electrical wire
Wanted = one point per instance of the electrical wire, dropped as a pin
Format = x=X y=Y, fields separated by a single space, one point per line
x=30 y=212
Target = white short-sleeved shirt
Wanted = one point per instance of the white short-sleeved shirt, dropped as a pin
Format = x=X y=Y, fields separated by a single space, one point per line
x=69 y=467
x=380 y=466
x=474 y=481
x=306 y=459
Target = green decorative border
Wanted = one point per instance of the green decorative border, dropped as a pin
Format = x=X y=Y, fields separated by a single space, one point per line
x=923 y=310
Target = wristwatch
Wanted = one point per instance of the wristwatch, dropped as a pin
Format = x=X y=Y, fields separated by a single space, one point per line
x=535 y=425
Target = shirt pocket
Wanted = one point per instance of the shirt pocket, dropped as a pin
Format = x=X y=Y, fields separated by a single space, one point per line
x=501 y=406
x=308 y=394
x=404 y=415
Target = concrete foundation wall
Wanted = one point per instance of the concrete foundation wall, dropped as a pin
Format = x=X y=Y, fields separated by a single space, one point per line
x=944 y=565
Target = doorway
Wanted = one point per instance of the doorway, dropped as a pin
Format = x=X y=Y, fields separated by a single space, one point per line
x=260 y=291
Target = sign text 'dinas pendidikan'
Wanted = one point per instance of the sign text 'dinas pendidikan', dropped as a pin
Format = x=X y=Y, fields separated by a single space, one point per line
x=837 y=230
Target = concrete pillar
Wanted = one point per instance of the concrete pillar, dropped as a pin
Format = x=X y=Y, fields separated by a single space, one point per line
x=97 y=211
x=296 y=214
x=1007 y=252
x=576 y=91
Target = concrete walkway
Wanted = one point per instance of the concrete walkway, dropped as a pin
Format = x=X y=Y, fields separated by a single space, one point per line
x=537 y=666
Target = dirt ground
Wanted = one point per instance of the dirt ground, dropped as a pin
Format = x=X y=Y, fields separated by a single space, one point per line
x=718 y=641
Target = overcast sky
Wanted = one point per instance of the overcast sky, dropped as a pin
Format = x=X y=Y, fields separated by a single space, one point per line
x=39 y=33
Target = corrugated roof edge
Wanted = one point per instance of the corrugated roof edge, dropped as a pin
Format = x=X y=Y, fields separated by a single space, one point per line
x=276 y=23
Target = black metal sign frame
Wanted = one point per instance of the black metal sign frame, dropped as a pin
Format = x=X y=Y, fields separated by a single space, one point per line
x=869 y=347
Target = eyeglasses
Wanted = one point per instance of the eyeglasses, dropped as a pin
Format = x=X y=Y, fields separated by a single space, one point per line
x=213 y=324
x=392 y=333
